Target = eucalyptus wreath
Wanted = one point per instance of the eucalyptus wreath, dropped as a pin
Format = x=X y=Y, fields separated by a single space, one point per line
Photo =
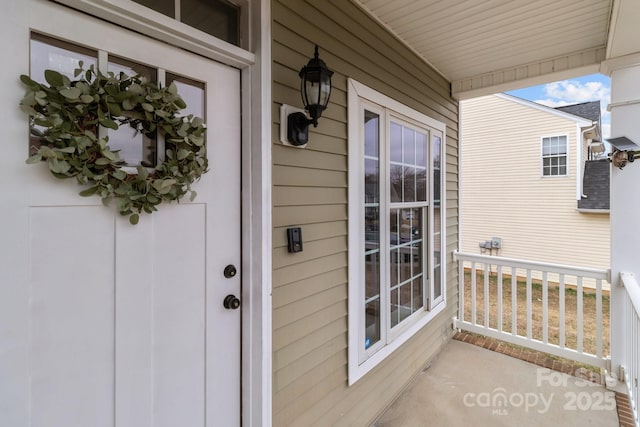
x=65 y=116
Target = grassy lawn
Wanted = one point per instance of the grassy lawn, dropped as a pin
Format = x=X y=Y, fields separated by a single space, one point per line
x=570 y=319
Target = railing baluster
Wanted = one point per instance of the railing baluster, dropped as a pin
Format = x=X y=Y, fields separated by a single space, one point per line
x=632 y=328
x=486 y=295
x=529 y=310
x=545 y=308
x=632 y=340
x=631 y=362
x=580 y=325
x=599 y=318
x=632 y=358
x=473 y=293
x=514 y=302
x=462 y=280
x=499 y=285
x=561 y=311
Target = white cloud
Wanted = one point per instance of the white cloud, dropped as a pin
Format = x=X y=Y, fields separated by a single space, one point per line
x=569 y=92
x=574 y=92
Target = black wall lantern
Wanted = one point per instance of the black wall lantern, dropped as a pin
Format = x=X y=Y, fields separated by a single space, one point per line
x=316 y=90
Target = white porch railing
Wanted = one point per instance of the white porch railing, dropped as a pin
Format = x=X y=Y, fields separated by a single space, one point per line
x=533 y=304
x=631 y=354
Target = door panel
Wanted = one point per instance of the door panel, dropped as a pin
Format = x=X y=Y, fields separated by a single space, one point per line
x=127 y=325
x=71 y=316
x=179 y=313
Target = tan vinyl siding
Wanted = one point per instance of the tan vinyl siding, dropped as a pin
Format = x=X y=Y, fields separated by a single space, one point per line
x=310 y=288
x=503 y=192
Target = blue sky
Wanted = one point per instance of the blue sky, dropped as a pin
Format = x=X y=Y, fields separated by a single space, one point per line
x=573 y=91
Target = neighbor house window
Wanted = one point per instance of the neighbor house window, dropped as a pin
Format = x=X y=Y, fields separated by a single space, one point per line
x=554 y=155
x=395 y=231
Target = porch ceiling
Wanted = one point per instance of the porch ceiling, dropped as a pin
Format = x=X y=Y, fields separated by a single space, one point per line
x=489 y=46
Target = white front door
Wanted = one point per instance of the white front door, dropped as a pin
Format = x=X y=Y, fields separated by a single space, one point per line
x=126 y=324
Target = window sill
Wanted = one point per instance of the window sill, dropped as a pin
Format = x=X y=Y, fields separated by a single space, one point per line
x=357 y=371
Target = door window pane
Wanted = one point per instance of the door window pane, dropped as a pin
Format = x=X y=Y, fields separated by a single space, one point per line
x=192 y=93
x=136 y=147
x=51 y=54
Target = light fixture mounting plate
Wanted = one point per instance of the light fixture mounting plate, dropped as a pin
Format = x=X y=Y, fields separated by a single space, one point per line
x=285 y=110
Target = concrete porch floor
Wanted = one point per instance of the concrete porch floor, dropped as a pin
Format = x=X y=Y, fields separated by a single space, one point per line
x=467 y=385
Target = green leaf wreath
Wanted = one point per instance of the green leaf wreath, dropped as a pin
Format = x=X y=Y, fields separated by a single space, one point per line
x=65 y=117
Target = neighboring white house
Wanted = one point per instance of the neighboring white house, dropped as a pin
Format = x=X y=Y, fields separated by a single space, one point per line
x=535 y=184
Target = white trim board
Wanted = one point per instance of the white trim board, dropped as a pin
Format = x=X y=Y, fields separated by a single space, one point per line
x=156 y=25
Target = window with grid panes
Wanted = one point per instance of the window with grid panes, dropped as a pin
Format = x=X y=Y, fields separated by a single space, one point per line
x=396 y=160
x=135 y=148
x=554 y=156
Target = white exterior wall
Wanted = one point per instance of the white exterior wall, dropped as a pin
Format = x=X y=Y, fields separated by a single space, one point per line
x=503 y=193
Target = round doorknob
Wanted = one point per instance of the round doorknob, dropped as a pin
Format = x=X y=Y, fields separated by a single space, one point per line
x=230 y=271
x=231 y=302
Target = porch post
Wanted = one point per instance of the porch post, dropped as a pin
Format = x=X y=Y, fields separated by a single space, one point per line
x=625 y=194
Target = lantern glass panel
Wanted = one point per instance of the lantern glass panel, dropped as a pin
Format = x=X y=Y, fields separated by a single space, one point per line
x=325 y=90
x=315 y=93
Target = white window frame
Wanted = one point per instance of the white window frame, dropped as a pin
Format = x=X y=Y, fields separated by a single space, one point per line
x=359 y=97
x=542 y=155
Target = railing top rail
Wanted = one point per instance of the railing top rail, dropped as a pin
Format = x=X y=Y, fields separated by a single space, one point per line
x=633 y=289
x=596 y=273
